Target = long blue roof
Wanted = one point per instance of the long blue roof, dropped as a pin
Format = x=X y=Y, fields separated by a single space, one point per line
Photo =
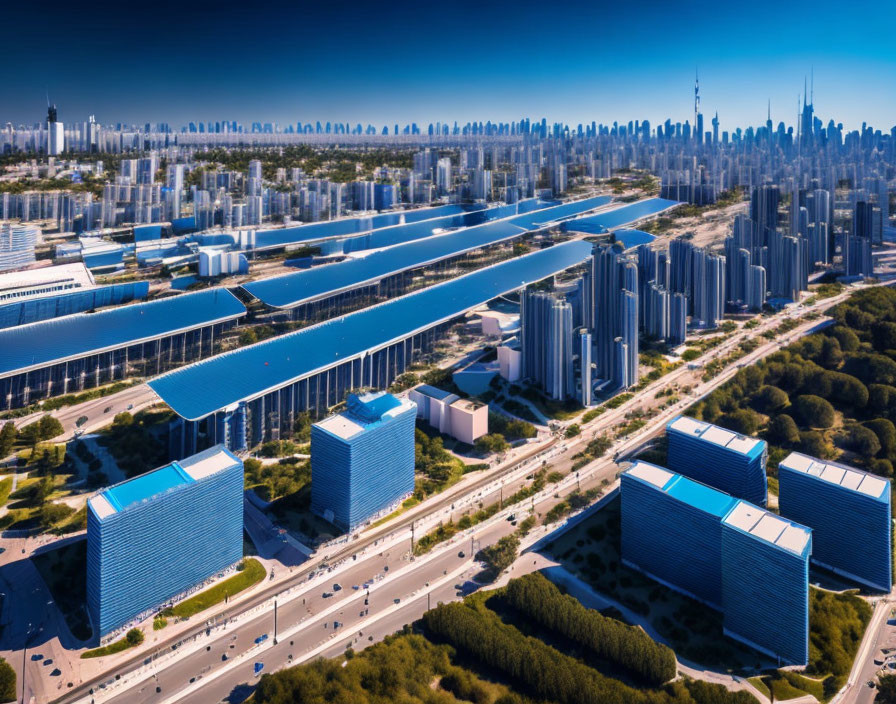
x=349 y=226
x=612 y=219
x=540 y=218
x=293 y=289
x=50 y=341
x=200 y=389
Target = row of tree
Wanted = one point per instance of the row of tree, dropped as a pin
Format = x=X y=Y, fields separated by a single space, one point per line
x=549 y=674
x=627 y=646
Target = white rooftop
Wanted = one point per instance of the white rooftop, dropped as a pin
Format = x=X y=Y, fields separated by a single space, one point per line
x=208 y=465
x=44 y=281
x=101 y=506
x=714 y=434
x=341 y=426
x=847 y=477
x=768 y=527
x=657 y=476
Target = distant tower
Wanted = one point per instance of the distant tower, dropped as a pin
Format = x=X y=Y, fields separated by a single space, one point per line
x=698 y=118
x=55 y=132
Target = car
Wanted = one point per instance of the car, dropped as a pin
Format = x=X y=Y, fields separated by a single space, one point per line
x=327 y=595
x=158 y=690
x=355 y=587
x=107 y=409
x=192 y=680
x=130 y=406
x=223 y=657
x=337 y=587
x=261 y=639
x=511 y=517
x=257 y=668
x=870 y=683
x=461 y=554
x=396 y=601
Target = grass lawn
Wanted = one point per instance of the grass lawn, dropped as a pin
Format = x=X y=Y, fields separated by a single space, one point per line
x=63 y=570
x=759 y=684
x=783 y=690
x=116 y=647
x=251 y=574
x=5 y=488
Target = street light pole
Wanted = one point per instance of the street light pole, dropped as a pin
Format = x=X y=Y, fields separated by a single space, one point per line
x=275 y=622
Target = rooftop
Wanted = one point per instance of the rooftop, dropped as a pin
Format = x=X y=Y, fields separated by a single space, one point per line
x=16 y=285
x=50 y=341
x=612 y=219
x=683 y=489
x=735 y=442
x=147 y=486
x=364 y=412
x=307 y=285
x=433 y=392
x=196 y=391
x=848 y=477
x=769 y=527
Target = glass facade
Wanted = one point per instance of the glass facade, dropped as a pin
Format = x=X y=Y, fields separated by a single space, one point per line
x=152 y=538
x=718 y=457
x=362 y=460
x=849 y=513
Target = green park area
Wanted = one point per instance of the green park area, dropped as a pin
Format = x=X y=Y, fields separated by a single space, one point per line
x=837 y=621
x=249 y=573
x=131 y=639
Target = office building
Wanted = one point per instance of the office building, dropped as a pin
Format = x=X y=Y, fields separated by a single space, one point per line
x=672 y=530
x=612 y=314
x=55 y=133
x=17 y=243
x=510 y=359
x=450 y=414
x=152 y=538
x=848 y=511
x=718 y=457
x=546 y=334
x=362 y=460
x=765 y=582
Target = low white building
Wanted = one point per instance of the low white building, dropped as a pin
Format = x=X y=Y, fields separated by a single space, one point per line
x=460 y=418
x=510 y=361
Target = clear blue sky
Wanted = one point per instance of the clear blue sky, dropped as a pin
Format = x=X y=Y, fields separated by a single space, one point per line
x=401 y=61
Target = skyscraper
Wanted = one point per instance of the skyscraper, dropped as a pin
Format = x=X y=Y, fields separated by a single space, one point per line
x=362 y=460
x=146 y=543
x=614 y=314
x=765 y=582
x=547 y=343
x=718 y=457
x=848 y=511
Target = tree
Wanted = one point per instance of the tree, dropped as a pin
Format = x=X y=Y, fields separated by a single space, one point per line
x=770 y=399
x=123 y=420
x=7 y=438
x=744 y=421
x=302 y=427
x=49 y=427
x=886 y=689
x=814 y=411
x=134 y=637
x=500 y=556
x=782 y=430
x=493 y=442
x=862 y=440
x=8 y=691
x=886 y=434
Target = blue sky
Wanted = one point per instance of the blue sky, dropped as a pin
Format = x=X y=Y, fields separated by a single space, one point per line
x=402 y=61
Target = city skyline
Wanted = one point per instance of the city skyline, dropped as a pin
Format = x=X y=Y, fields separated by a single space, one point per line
x=385 y=66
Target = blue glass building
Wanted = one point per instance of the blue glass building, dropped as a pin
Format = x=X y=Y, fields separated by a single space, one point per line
x=362 y=460
x=718 y=457
x=849 y=513
x=672 y=530
x=765 y=582
x=152 y=538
